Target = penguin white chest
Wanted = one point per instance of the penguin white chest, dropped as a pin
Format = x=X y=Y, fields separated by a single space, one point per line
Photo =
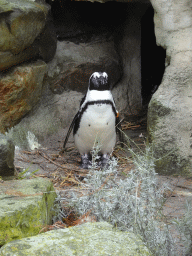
x=97 y=124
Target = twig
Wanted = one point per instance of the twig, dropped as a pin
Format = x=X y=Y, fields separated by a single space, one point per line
x=29 y=152
x=61 y=166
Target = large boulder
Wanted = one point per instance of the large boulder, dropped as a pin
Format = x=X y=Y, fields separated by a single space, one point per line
x=170 y=119
x=169 y=114
x=25 y=207
x=7 y=150
x=20 y=90
x=94 y=239
x=73 y=64
x=21 y=19
x=24 y=31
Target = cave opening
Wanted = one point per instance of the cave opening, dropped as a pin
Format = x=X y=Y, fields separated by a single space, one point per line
x=152 y=58
x=84 y=22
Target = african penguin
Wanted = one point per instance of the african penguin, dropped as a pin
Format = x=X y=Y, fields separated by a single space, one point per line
x=95 y=121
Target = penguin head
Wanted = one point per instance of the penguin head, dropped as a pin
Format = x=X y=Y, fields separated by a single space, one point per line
x=99 y=81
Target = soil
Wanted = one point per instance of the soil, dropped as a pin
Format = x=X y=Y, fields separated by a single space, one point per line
x=63 y=170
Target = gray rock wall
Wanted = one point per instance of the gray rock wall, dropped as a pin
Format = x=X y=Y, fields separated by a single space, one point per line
x=129 y=48
x=169 y=115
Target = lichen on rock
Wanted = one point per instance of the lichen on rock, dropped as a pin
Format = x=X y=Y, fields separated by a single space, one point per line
x=93 y=239
x=25 y=207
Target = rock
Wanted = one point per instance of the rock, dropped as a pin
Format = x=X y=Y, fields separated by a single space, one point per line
x=21 y=22
x=25 y=32
x=49 y=118
x=8 y=59
x=129 y=48
x=173 y=25
x=98 y=238
x=43 y=47
x=20 y=90
x=7 y=150
x=170 y=118
x=73 y=65
x=25 y=207
x=169 y=114
x=47 y=41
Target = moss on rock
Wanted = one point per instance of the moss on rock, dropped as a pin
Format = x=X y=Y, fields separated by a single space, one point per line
x=25 y=207
x=91 y=239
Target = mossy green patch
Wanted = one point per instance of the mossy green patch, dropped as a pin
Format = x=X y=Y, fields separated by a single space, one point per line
x=172 y=164
x=163 y=137
x=155 y=112
x=91 y=239
x=25 y=207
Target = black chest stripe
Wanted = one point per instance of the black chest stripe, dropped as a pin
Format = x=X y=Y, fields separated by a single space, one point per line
x=77 y=122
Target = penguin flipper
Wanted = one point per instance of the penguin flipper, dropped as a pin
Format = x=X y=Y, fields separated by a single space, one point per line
x=82 y=100
x=72 y=124
x=69 y=131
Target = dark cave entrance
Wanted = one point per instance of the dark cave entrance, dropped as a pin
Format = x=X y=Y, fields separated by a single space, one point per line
x=152 y=58
x=83 y=22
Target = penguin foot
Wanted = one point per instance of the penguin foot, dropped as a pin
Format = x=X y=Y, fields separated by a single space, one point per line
x=104 y=160
x=85 y=161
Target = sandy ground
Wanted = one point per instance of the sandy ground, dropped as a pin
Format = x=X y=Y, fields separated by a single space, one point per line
x=65 y=173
